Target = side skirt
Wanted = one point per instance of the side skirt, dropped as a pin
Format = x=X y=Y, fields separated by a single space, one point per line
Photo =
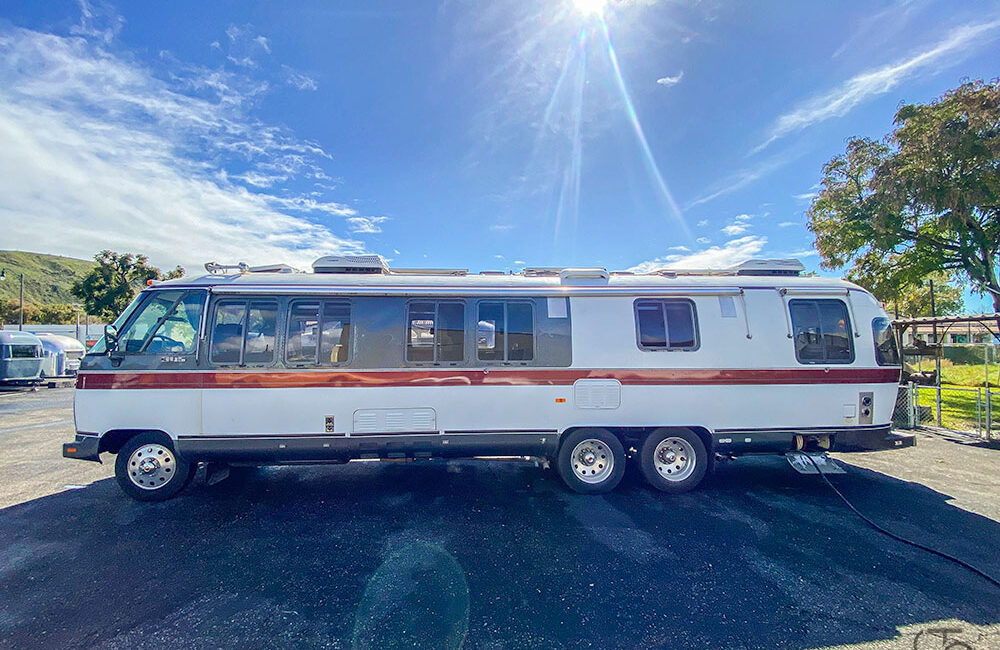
x=322 y=448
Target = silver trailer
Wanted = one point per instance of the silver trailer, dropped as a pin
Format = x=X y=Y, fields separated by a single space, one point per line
x=60 y=355
x=20 y=358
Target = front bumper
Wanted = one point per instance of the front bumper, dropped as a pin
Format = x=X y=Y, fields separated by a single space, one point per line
x=83 y=448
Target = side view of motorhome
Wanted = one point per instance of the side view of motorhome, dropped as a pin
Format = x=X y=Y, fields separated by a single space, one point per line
x=20 y=358
x=580 y=366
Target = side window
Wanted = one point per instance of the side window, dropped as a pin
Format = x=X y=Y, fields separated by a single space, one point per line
x=666 y=325
x=505 y=331
x=318 y=333
x=435 y=332
x=886 y=352
x=822 y=331
x=243 y=332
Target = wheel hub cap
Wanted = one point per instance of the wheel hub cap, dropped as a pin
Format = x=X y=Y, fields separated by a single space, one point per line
x=592 y=461
x=674 y=459
x=151 y=466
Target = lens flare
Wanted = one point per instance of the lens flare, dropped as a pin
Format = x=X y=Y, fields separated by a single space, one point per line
x=590 y=7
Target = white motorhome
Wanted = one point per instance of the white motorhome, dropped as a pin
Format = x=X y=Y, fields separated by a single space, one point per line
x=577 y=365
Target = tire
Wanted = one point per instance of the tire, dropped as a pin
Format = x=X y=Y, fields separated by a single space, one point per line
x=163 y=477
x=673 y=460
x=591 y=461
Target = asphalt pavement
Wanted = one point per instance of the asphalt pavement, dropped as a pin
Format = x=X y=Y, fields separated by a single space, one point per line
x=490 y=554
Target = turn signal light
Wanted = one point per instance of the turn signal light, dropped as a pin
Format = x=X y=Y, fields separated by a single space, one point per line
x=560 y=400
x=71 y=450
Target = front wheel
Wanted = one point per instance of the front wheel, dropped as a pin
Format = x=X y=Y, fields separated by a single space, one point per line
x=673 y=460
x=148 y=469
x=591 y=461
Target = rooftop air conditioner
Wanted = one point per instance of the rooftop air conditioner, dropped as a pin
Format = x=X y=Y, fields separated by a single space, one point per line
x=364 y=264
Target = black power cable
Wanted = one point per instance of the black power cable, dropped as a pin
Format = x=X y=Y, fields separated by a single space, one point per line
x=896 y=537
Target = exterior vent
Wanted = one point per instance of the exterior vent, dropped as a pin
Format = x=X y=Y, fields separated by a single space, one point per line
x=272 y=268
x=584 y=276
x=365 y=264
x=791 y=267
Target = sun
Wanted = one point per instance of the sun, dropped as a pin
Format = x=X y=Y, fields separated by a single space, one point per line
x=590 y=7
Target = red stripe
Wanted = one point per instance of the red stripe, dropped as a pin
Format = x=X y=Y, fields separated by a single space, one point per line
x=494 y=377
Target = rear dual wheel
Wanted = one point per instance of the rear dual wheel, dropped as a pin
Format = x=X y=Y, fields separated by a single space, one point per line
x=591 y=461
x=673 y=460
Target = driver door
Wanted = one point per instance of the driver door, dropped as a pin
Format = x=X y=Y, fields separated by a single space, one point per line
x=163 y=335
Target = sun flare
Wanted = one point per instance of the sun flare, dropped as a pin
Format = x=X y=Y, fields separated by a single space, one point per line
x=590 y=7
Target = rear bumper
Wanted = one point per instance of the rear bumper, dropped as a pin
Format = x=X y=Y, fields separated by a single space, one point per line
x=873 y=440
x=83 y=448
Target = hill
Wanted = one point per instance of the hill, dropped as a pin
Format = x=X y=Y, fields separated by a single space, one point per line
x=47 y=278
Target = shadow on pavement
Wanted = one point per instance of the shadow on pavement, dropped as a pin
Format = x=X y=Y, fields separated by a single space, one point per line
x=488 y=554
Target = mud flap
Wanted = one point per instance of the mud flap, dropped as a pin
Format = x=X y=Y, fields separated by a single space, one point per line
x=801 y=463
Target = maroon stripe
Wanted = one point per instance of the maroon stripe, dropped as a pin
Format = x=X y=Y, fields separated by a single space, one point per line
x=495 y=377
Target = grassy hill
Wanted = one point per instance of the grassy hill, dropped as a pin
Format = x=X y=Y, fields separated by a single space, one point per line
x=47 y=278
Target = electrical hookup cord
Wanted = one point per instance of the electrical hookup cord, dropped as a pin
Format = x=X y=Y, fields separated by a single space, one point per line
x=896 y=537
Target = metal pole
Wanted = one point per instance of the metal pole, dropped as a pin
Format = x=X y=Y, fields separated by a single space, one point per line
x=77 y=324
x=989 y=413
x=937 y=345
x=20 y=309
x=938 y=387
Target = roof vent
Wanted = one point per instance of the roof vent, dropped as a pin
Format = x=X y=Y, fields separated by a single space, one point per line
x=367 y=264
x=769 y=267
x=584 y=276
x=272 y=268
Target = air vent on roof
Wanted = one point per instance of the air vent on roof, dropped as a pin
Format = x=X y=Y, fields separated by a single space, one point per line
x=372 y=264
x=272 y=268
x=769 y=267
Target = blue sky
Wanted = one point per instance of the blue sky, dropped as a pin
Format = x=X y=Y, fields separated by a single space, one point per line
x=485 y=135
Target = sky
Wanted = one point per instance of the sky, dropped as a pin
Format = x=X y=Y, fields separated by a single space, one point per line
x=629 y=134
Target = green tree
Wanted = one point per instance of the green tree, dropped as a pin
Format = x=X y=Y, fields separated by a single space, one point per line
x=108 y=289
x=926 y=198
x=916 y=301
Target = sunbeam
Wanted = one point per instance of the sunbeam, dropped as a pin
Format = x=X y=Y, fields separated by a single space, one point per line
x=648 y=158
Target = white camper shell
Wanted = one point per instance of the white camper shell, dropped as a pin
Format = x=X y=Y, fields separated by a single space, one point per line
x=578 y=365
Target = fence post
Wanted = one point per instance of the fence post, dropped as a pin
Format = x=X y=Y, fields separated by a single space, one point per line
x=989 y=413
x=914 y=417
x=979 y=413
x=938 y=387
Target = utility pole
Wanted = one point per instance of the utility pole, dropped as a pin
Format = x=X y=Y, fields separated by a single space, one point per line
x=20 y=308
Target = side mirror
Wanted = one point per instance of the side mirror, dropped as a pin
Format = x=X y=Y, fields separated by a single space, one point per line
x=110 y=338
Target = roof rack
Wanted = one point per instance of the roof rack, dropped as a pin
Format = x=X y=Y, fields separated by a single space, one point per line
x=214 y=268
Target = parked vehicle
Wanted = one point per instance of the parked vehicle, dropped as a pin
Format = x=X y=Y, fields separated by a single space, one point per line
x=20 y=358
x=576 y=365
x=61 y=355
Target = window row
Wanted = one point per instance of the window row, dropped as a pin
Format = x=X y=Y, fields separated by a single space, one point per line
x=318 y=332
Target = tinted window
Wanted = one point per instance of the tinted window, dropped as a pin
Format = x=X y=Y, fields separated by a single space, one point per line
x=435 y=332
x=318 y=332
x=822 y=331
x=506 y=331
x=244 y=332
x=665 y=325
x=24 y=352
x=886 y=352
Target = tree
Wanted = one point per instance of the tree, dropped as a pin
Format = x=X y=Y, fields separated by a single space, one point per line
x=925 y=198
x=916 y=301
x=108 y=289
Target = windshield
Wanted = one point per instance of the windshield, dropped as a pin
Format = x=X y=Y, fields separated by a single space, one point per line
x=101 y=346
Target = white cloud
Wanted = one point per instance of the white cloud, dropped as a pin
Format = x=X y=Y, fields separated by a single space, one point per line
x=739 y=225
x=703 y=223
x=744 y=177
x=871 y=83
x=715 y=257
x=396 y=252
x=807 y=196
x=671 y=81
x=366 y=225
x=100 y=153
x=501 y=227
x=298 y=80
x=788 y=224
x=703 y=240
x=681 y=249
x=498 y=256
x=520 y=262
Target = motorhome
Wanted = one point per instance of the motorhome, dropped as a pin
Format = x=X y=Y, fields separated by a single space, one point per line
x=581 y=366
x=20 y=358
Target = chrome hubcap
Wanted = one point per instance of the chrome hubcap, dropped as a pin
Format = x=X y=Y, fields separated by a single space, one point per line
x=151 y=466
x=592 y=461
x=674 y=459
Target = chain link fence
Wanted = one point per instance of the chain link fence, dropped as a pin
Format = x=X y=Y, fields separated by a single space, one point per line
x=972 y=411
